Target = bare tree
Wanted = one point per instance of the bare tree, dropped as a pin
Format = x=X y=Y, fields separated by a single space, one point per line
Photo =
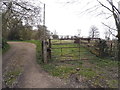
x=116 y=14
x=94 y=33
x=109 y=31
x=24 y=10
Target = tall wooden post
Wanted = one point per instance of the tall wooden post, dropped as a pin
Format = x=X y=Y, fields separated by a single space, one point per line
x=44 y=40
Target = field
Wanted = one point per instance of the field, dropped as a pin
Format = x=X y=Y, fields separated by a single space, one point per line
x=81 y=64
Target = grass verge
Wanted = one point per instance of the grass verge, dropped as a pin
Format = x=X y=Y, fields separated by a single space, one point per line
x=11 y=77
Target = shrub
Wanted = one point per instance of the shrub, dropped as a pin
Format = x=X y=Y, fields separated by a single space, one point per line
x=4 y=43
x=103 y=48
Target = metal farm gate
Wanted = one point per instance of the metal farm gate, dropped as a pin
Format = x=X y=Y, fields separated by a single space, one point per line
x=71 y=49
x=65 y=49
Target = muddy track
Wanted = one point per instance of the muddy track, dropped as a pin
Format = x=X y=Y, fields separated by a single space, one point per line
x=23 y=55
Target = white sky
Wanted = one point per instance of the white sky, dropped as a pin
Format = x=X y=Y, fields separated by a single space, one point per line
x=67 y=20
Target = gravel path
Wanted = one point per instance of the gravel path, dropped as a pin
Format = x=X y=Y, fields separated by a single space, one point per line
x=23 y=55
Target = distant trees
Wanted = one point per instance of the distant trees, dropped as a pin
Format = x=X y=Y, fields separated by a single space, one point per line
x=14 y=29
x=26 y=32
x=55 y=36
x=94 y=33
x=42 y=32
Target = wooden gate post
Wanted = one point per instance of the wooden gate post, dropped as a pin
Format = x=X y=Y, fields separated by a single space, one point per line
x=42 y=51
x=45 y=52
x=79 y=49
x=50 y=48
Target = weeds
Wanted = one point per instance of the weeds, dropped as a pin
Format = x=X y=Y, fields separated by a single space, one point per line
x=104 y=62
x=61 y=71
x=11 y=77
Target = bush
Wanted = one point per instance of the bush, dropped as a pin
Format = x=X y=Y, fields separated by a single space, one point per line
x=5 y=45
x=103 y=48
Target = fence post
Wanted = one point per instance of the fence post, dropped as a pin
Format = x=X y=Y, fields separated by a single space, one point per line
x=79 y=48
x=50 y=48
x=42 y=52
x=45 y=51
x=61 y=48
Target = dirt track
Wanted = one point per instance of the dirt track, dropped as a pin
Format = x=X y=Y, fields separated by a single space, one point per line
x=23 y=55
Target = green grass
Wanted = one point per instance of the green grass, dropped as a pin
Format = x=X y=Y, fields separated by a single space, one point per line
x=112 y=83
x=64 y=71
x=76 y=63
x=69 y=53
x=93 y=67
x=87 y=72
x=104 y=62
x=98 y=67
x=59 y=71
x=11 y=77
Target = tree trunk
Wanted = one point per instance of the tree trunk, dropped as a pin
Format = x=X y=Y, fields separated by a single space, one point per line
x=119 y=43
x=117 y=22
x=118 y=27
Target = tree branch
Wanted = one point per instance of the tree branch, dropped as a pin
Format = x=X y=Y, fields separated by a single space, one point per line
x=28 y=9
x=110 y=30
x=104 y=6
x=111 y=3
x=109 y=27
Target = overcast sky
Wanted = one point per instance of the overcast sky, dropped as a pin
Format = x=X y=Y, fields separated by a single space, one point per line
x=67 y=19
